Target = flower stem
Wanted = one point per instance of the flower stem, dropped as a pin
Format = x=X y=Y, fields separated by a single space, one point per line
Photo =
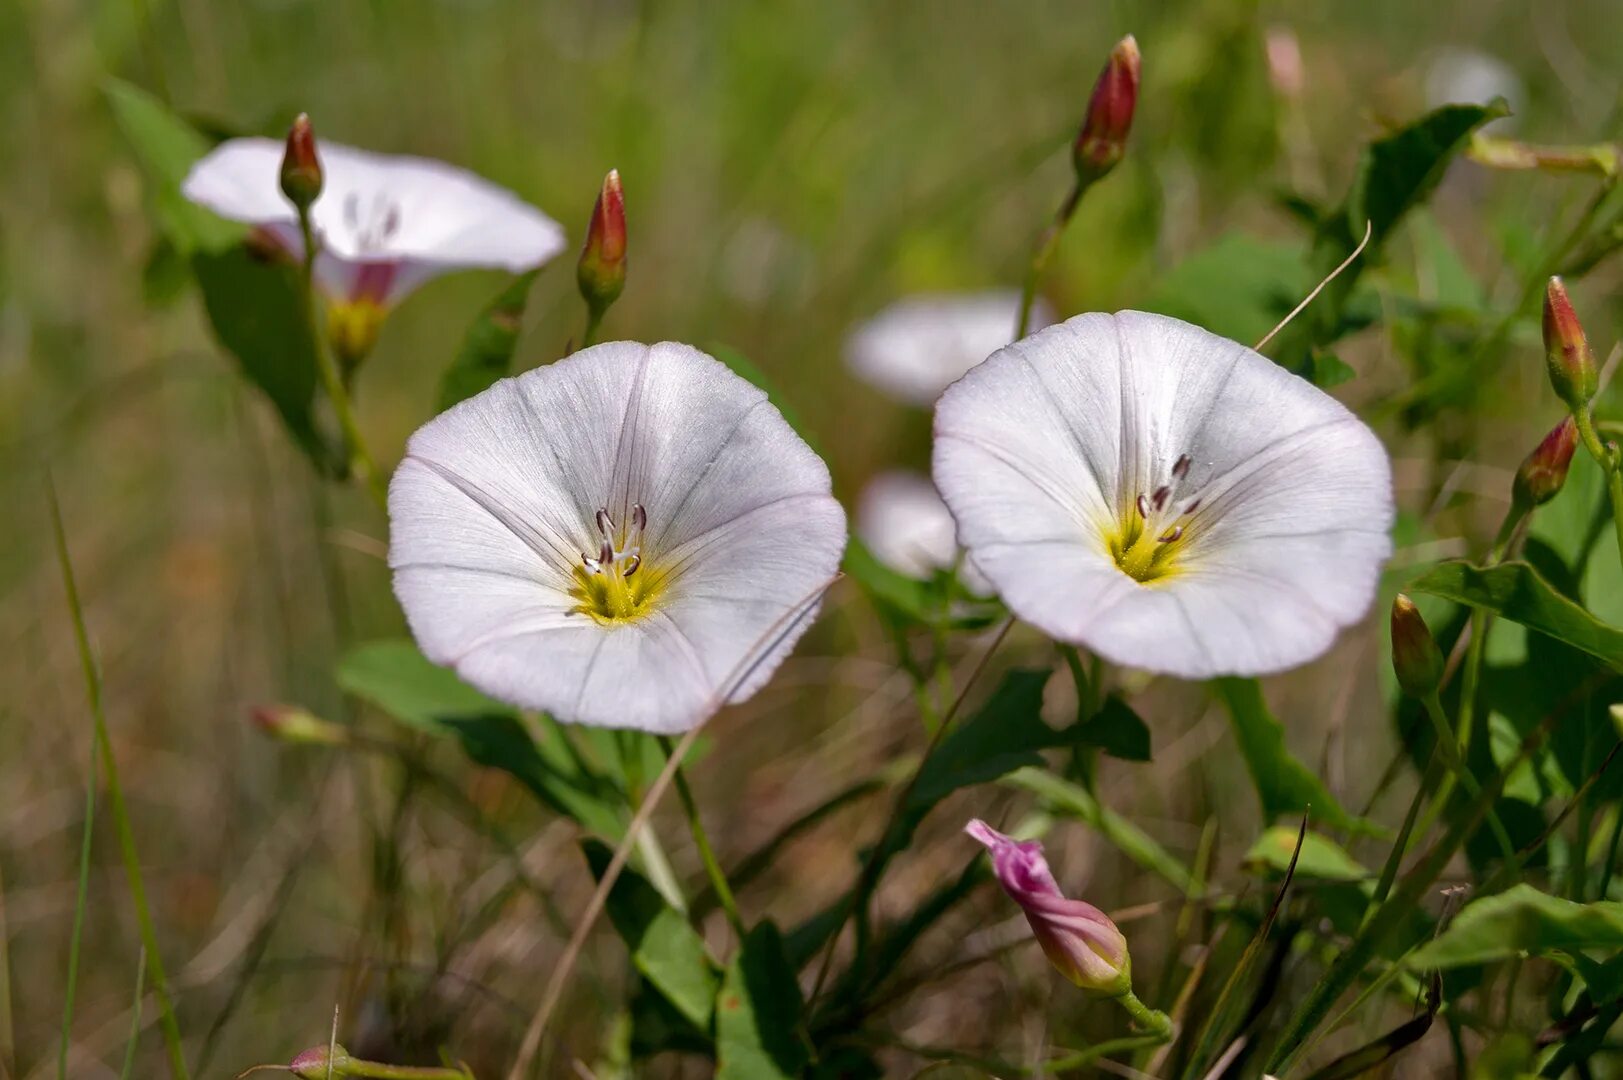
x=115 y=798
x=594 y=323
x=1155 y=1023
x=1449 y=747
x=1607 y=459
x=332 y=379
x=707 y=854
x=1047 y=244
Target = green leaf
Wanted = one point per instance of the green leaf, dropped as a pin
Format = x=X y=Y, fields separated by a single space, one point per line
x=1285 y=785
x=758 y=1012
x=257 y=316
x=664 y=946
x=1515 y=591
x=166 y=147
x=1330 y=370
x=1399 y=171
x=396 y=677
x=399 y=680
x=913 y=601
x=487 y=349
x=1320 y=858
x=1117 y=730
x=1239 y=286
x=1523 y=921
x=1006 y=733
x=1063 y=797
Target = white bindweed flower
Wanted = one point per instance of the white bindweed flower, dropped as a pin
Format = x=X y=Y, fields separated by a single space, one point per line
x=612 y=537
x=908 y=528
x=385 y=223
x=1168 y=498
x=919 y=346
x=1472 y=77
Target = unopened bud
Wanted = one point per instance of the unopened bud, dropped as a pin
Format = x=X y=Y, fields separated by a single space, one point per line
x=301 y=168
x=312 y=1064
x=602 y=268
x=295 y=724
x=1544 y=471
x=1078 y=938
x=1285 y=69
x=1103 y=138
x=1566 y=349
x=1415 y=656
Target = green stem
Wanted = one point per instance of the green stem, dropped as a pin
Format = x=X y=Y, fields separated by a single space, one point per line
x=115 y=797
x=1611 y=855
x=1607 y=459
x=1453 y=756
x=78 y=919
x=1394 y=859
x=594 y=323
x=707 y=854
x=1047 y=244
x=1155 y=1023
x=375 y=1070
x=135 y=1018
x=332 y=379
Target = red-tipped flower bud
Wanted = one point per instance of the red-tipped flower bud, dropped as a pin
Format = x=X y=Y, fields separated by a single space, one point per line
x=312 y=1063
x=301 y=168
x=1545 y=470
x=602 y=269
x=1078 y=938
x=1566 y=349
x=1415 y=656
x=295 y=724
x=1103 y=138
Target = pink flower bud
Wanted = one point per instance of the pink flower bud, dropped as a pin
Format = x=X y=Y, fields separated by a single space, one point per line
x=294 y=724
x=602 y=269
x=301 y=168
x=1077 y=937
x=1566 y=349
x=1415 y=656
x=1103 y=138
x=1544 y=471
x=311 y=1064
x=1285 y=69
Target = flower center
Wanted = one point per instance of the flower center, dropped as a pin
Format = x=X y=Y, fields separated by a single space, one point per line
x=1147 y=543
x=375 y=224
x=607 y=585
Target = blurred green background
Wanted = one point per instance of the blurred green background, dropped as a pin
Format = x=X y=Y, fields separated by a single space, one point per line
x=790 y=168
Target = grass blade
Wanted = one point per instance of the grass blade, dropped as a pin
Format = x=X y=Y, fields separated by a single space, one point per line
x=78 y=919
x=115 y=795
x=135 y=1018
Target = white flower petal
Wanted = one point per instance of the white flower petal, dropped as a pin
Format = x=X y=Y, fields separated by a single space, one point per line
x=919 y=346
x=418 y=216
x=902 y=519
x=1043 y=452
x=497 y=501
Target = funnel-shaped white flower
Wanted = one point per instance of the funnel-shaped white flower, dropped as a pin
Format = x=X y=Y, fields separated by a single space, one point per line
x=386 y=223
x=613 y=537
x=919 y=346
x=908 y=528
x=1171 y=499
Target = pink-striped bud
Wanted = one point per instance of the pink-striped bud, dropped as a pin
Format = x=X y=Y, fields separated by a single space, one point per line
x=1416 y=660
x=1077 y=937
x=1103 y=138
x=295 y=724
x=301 y=168
x=1566 y=349
x=602 y=268
x=1544 y=472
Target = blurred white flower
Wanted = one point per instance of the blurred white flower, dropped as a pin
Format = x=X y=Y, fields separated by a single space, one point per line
x=1168 y=498
x=1471 y=77
x=919 y=346
x=909 y=529
x=386 y=223
x=611 y=537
